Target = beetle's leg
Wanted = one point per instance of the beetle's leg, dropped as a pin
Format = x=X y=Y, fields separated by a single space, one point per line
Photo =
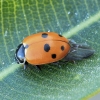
x=38 y=67
x=25 y=65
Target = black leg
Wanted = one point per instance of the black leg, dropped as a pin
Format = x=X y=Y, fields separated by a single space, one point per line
x=25 y=65
x=39 y=67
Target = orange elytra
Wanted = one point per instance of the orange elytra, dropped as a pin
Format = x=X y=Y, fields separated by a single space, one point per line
x=42 y=48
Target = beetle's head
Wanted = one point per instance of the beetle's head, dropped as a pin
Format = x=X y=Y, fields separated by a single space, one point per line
x=20 y=54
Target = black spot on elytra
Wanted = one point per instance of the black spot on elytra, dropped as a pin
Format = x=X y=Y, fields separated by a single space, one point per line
x=62 y=48
x=46 y=47
x=44 y=35
x=53 y=56
x=60 y=35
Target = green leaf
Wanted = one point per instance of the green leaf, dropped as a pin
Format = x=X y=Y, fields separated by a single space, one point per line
x=75 y=19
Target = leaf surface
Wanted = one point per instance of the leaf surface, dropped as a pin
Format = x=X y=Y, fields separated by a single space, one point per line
x=75 y=19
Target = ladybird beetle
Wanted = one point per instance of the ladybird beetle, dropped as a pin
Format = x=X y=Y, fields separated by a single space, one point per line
x=48 y=47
